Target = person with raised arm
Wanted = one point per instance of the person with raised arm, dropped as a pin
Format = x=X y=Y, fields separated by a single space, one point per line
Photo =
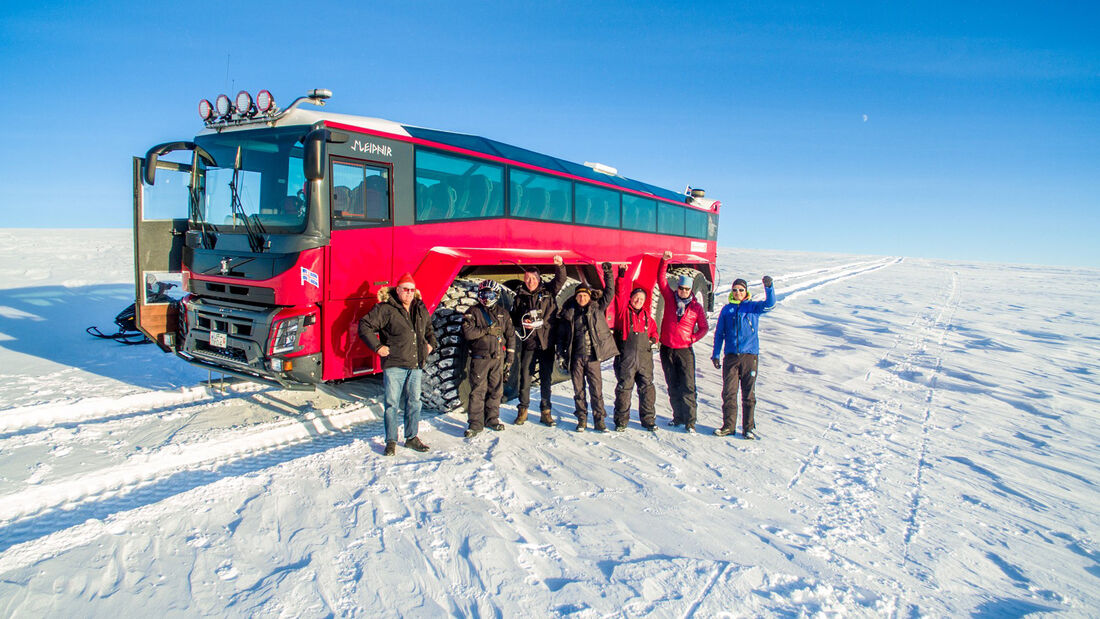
x=736 y=333
x=635 y=334
x=534 y=310
x=584 y=341
x=684 y=322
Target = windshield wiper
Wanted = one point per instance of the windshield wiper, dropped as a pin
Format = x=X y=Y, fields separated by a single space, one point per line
x=255 y=240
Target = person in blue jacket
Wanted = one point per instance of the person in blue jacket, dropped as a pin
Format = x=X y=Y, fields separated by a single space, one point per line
x=736 y=333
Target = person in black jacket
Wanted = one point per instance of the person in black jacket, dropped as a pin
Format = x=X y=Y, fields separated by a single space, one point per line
x=399 y=330
x=491 y=339
x=584 y=341
x=533 y=310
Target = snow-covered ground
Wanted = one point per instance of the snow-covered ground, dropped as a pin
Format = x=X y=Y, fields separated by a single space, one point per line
x=929 y=448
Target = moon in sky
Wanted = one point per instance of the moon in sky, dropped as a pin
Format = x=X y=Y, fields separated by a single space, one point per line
x=864 y=118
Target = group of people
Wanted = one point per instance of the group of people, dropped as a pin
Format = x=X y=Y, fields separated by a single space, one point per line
x=576 y=335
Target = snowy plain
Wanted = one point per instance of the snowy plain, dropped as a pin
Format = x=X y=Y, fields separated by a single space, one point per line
x=929 y=438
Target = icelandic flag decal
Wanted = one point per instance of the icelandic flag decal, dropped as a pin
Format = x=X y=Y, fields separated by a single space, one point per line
x=311 y=278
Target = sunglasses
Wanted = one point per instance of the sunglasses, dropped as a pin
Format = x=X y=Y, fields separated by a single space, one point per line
x=406 y=289
x=738 y=290
x=684 y=288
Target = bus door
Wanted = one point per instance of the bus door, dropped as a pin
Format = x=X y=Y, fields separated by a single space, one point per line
x=160 y=226
x=360 y=257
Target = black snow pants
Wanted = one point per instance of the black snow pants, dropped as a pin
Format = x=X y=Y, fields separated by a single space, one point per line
x=587 y=369
x=634 y=366
x=738 y=370
x=545 y=359
x=679 y=367
x=486 y=389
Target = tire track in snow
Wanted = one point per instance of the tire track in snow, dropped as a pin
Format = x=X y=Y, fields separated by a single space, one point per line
x=817 y=278
x=23 y=420
x=298 y=436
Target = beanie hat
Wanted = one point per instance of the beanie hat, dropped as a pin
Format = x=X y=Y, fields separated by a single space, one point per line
x=686 y=281
x=407 y=278
x=637 y=290
x=744 y=284
x=582 y=289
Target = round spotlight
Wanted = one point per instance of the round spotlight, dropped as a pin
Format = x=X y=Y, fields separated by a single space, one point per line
x=206 y=110
x=223 y=105
x=244 y=103
x=264 y=101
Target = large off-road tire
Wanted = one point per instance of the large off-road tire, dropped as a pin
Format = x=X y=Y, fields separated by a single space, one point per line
x=446 y=385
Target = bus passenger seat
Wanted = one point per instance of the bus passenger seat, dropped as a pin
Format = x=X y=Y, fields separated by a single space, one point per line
x=477 y=202
x=341 y=199
x=461 y=188
x=536 y=203
x=559 y=206
x=421 y=200
x=374 y=193
x=519 y=201
x=441 y=201
x=584 y=206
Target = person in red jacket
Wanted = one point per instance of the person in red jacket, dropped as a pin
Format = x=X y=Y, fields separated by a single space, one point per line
x=684 y=323
x=635 y=335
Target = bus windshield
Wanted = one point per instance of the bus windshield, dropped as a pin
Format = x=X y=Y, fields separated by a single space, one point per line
x=270 y=183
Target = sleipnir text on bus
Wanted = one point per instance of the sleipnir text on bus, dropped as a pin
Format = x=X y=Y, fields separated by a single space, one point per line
x=372 y=148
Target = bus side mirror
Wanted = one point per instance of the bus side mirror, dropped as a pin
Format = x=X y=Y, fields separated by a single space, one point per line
x=314 y=162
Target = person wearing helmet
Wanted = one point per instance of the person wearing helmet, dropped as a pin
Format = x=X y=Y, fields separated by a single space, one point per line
x=683 y=323
x=533 y=310
x=736 y=332
x=491 y=341
x=584 y=341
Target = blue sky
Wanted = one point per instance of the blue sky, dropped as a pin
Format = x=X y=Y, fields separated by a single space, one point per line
x=940 y=130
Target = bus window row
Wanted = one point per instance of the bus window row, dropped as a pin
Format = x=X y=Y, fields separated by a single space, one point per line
x=450 y=187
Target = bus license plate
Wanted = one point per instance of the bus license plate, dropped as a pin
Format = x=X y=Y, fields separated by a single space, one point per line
x=218 y=340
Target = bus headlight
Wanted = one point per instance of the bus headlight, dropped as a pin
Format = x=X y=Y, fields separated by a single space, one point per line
x=293 y=333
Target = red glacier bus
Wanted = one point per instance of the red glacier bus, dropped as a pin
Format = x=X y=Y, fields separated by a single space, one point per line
x=278 y=227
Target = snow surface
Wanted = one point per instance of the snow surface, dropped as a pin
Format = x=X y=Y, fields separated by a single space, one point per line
x=929 y=437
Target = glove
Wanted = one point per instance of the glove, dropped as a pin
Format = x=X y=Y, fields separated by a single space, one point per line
x=509 y=359
x=717 y=363
x=506 y=372
x=767 y=281
x=622 y=270
x=496 y=329
x=607 y=269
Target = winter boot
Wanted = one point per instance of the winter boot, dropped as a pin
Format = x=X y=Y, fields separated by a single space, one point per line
x=415 y=444
x=724 y=431
x=582 y=423
x=690 y=429
x=750 y=435
x=600 y=426
x=496 y=427
x=521 y=415
x=470 y=433
x=547 y=418
x=391 y=448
